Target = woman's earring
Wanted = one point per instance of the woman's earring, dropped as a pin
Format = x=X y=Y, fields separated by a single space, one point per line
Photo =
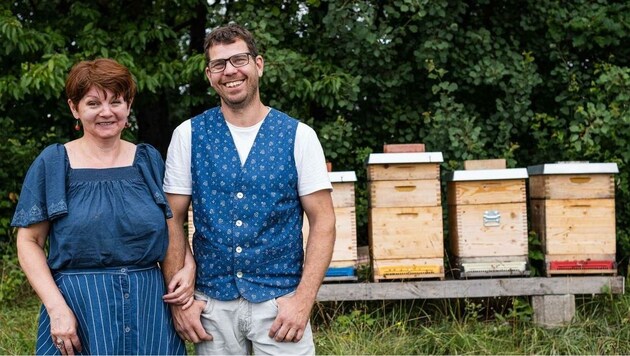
x=77 y=125
x=127 y=125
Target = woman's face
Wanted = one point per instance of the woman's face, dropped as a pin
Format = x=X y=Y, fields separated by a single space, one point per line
x=102 y=115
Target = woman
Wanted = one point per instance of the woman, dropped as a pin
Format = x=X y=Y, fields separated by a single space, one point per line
x=99 y=202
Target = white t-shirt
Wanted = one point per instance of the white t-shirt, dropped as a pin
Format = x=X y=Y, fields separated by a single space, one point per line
x=309 y=158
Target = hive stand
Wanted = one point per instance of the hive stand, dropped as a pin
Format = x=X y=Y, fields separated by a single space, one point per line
x=553 y=299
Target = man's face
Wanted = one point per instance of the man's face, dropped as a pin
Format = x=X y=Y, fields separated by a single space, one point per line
x=237 y=83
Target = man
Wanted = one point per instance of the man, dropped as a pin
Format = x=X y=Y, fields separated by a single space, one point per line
x=251 y=171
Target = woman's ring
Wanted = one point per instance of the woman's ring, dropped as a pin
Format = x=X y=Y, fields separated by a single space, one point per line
x=59 y=343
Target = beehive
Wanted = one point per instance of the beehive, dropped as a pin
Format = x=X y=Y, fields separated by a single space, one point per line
x=344 y=259
x=572 y=206
x=487 y=214
x=405 y=215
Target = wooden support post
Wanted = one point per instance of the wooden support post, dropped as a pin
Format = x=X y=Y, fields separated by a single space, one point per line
x=553 y=310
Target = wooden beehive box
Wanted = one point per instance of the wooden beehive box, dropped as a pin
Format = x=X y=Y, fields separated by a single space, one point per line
x=572 y=207
x=487 y=214
x=345 y=258
x=405 y=215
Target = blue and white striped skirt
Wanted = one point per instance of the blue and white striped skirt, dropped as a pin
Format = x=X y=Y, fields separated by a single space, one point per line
x=119 y=311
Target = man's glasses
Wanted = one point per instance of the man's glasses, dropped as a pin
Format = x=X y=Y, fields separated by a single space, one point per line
x=237 y=60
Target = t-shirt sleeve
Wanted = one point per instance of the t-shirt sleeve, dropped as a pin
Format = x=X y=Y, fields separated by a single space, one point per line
x=178 y=177
x=43 y=195
x=151 y=167
x=310 y=162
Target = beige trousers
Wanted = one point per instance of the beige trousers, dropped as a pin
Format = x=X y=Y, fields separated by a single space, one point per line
x=239 y=327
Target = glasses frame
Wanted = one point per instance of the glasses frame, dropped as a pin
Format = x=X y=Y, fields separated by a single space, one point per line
x=229 y=59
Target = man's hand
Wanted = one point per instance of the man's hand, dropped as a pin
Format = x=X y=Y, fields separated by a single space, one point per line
x=293 y=315
x=188 y=322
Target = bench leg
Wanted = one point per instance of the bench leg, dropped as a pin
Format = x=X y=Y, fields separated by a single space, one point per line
x=553 y=310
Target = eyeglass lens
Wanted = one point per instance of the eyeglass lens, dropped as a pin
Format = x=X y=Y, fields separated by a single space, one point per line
x=237 y=60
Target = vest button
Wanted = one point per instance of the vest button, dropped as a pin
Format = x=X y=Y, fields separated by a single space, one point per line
x=239 y=195
x=239 y=274
x=239 y=249
x=239 y=223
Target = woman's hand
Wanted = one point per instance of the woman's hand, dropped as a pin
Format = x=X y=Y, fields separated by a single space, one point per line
x=63 y=330
x=181 y=288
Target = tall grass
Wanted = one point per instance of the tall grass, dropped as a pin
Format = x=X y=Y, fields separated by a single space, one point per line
x=462 y=326
x=18 y=325
x=488 y=326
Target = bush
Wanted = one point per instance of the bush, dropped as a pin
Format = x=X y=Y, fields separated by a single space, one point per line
x=17 y=151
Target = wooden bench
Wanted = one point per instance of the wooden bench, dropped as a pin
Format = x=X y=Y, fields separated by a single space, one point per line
x=553 y=298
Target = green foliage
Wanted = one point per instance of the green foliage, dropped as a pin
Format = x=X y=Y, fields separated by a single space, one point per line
x=18 y=150
x=12 y=279
x=16 y=154
x=535 y=254
x=521 y=311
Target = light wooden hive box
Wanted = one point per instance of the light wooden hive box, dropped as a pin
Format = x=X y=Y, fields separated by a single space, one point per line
x=573 y=212
x=487 y=214
x=344 y=259
x=405 y=215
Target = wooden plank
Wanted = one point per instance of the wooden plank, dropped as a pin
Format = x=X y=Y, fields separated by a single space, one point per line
x=580 y=226
x=404 y=193
x=475 y=164
x=346 y=241
x=343 y=195
x=490 y=259
x=553 y=310
x=472 y=288
x=403 y=171
x=403 y=147
x=486 y=192
x=572 y=186
x=399 y=233
x=471 y=236
x=589 y=256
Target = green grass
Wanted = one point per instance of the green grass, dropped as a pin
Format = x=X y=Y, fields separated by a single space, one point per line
x=487 y=326
x=480 y=326
x=18 y=320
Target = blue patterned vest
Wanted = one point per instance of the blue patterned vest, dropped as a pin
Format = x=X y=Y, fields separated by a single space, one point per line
x=248 y=220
